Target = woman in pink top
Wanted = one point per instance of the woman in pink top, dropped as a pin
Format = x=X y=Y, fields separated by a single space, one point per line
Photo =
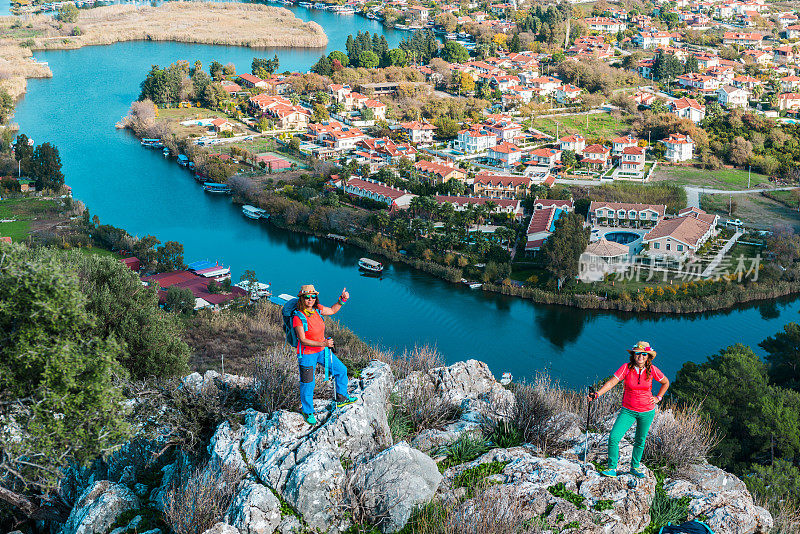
x=638 y=404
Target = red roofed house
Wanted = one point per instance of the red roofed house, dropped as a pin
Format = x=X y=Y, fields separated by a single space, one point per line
x=389 y=150
x=508 y=154
x=541 y=203
x=378 y=108
x=132 y=263
x=789 y=101
x=632 y=159
x=621 y=143
x=681 y=236
x=679 y=147
x=418 y=132
x=596 y=156
x=742 y=38
x=366 y=188
x=281 y=109
x=576 y=143
x=198 y=285
x=500 y=186
x=542 y=226
x=688 y=108
x=546 y=156
x=437 y=173
x=625 y=214
x=222 y=125
x=475 y=139
x=250 y=80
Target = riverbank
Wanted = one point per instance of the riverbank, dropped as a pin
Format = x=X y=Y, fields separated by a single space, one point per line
x=230 y=24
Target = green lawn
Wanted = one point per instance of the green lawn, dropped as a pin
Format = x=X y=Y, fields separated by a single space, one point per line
x=730 y=179
x=17 y=230
x=94 y=251
x=26 y=208
x=600 y=125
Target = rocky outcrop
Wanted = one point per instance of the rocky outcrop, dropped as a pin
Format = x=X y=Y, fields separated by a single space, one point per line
x=297 y=478
x=391 y=484
x=721 y=499
x=254 y=510
x=98 y=508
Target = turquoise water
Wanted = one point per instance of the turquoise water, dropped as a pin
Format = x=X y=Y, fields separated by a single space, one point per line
x=137 y=189
x=622 y=237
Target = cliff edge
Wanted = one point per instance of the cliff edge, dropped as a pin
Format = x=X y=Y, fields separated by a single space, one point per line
x=261 y=473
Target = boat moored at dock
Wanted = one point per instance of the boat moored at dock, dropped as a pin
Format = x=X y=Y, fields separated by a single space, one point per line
x=370 y=265
x=214 y=187
x=252 y=212
x=152 y=143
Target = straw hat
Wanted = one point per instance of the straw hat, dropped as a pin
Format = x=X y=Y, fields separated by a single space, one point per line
x=307 y=290
x=643 y=346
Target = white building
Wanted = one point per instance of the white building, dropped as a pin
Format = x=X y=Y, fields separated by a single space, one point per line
x=679 y=147
x=732 y=97
x=475 y=140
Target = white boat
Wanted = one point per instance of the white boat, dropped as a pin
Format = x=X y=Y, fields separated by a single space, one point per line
x=252 y=212
x=370 y=265
x=506 y=379
x=475 y=285
x=347 y=11
x=257 y=290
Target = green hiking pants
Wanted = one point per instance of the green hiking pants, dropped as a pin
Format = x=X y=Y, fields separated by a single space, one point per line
x=624 y=421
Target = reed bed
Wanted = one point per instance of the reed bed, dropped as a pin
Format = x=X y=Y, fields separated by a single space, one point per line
x=237 y=24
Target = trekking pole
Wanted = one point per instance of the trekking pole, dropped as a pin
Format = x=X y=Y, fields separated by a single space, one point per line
x=588 y=416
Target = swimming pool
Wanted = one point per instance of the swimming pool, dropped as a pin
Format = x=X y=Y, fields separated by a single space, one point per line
x=623 y=238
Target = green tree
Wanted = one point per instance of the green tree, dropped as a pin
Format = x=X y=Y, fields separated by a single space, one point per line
x=68 y=13
x=397 y=57
x=322 y=67
x=340 y=56
x=691 y=64
x=56 y=377
x=261 y=66
x=6 y=106
x=216 y=70
x=563 y=248
x=454 y=52
x=368 y=59
x=667 y=67
x=729 y=384
x=514 y=44
x=446 y=128
x=23 y=153
x=129 y=312
x=46 y=167
x=179 y=300
x=568 y=158
x=783 y=355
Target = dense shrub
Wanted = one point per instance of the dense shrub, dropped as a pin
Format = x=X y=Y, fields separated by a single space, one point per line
x=680 y=436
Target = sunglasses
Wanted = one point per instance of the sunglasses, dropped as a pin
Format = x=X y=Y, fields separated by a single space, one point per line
x=309 y=296
x=641 y=353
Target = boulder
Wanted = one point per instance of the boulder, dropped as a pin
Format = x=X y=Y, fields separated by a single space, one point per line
x=631 y=499
x=392 y=483
x=431 y=439
x=254 y=510
x=290 y=525
x=99 y=507
x=274 y=445
x=222 y=528
x=721 y=497
x=314 y=488
x=468 y=380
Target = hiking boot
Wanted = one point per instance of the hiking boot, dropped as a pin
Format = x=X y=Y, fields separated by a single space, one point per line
x=609 y=473
x=635 y=472
x=344 y=400
x=310 y=419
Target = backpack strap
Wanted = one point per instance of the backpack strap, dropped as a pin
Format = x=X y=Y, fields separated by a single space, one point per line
x=302 y=316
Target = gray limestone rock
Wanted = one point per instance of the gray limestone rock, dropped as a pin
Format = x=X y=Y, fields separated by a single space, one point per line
x=222 y=528
x=99 y=507
x=290 y=525
x=721 y=497
x=392 y=483
x=314 y=488
x=254 y=510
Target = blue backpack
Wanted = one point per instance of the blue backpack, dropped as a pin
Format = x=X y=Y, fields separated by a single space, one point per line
x=690 y=527
x=288 y=311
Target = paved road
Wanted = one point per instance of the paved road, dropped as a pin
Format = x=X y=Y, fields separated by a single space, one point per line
x=693 y=193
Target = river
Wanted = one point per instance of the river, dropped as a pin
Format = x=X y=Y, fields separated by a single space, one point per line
x=139 y=190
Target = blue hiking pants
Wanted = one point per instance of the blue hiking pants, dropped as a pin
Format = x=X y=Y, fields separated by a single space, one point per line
x=308 y=364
